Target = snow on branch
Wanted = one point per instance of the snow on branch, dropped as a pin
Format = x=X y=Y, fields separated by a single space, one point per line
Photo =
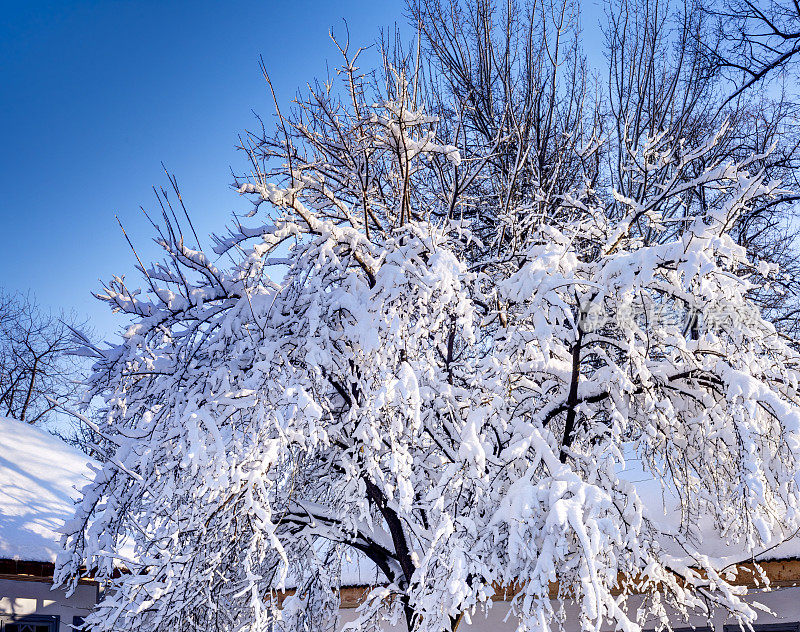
x=454 y=413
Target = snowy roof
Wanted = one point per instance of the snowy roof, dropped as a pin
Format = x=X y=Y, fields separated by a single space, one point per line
x=40 y=475
x=662 y=507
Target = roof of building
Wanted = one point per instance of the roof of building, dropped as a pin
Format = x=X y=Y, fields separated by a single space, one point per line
x=662 y=507
x=40 y=477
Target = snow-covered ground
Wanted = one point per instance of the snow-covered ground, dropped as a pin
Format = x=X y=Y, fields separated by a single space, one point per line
x=40 y=476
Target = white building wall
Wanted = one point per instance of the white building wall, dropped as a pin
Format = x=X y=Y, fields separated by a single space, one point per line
x=22 y=598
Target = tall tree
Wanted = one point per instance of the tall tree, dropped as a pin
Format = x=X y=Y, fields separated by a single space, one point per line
x=443 y=362
x=759 y=41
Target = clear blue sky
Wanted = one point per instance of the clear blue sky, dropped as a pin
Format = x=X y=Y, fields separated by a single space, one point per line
x=94 y=95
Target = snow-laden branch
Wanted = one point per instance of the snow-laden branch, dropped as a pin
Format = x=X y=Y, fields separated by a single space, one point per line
x=454 y=418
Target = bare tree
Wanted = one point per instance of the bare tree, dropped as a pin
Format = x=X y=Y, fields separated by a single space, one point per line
x=37 y=365
x=746 y=54
x=758 y=40
x=509 y=83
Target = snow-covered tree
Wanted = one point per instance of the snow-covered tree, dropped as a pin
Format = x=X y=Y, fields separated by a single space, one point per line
x=367 y=368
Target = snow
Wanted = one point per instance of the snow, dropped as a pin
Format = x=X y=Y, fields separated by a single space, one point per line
x=359 y=571
x=662 y=507
x=40 y=476
x=445 y=411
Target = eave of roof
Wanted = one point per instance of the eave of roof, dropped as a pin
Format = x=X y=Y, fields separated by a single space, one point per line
x=781 y=574
x=23 y=570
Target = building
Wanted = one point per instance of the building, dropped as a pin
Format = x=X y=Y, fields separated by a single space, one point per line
x=40 y=475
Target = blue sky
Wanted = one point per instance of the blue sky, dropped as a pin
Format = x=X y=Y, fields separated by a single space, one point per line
x=94 y=95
